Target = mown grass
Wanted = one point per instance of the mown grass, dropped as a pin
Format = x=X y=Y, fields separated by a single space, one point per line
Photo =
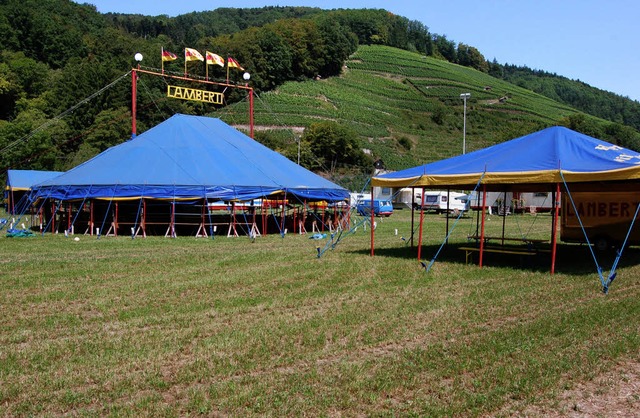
x=186 y=326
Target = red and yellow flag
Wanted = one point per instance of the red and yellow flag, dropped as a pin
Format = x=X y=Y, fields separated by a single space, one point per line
x=168 y=56
x=231 y=63
x=191 y=54
x=212 y=58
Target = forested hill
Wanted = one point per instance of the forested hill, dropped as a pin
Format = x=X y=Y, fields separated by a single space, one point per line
x=57 y=59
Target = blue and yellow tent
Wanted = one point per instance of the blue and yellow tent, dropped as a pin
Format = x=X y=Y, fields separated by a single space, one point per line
x=20 y=183
x=552 y=159
x=173 y=174
x=550 y=156
x=190 y=157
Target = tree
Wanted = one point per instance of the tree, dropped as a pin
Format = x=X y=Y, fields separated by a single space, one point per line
x=333 y=145
x=444 y=48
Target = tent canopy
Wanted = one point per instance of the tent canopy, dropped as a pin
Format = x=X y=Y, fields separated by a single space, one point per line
x=25 y=179
x=190 y=157
x=541 y=158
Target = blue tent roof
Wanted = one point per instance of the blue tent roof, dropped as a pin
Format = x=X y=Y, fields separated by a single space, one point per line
x=543 y=157
x=25 y=179
x=190 y=157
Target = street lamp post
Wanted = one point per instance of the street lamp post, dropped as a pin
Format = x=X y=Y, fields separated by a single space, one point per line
x=464 y=96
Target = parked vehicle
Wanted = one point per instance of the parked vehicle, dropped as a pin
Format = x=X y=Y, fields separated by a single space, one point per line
x=380 y=208
x=512 y=202
x=606 y=217
x=441 y=201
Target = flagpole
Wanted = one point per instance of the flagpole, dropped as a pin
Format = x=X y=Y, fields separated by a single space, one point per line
x=206 y=66
x=162 y=58
x=185 y=62
x=227 y=70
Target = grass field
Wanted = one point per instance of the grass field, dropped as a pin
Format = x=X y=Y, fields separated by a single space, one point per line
x=227 y=327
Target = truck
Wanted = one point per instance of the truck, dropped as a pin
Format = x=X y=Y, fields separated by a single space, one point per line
x=606 y=217
x=441 y=201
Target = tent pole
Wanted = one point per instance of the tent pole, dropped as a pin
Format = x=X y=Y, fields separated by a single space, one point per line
x=144 y=218
x=115 y=222
x=446 y=232
x=284 y=213
x=251 y=122
x=484 y=204
x=413 y=212
x=173 y=218
x=134 y=88
x=372 y=222
x=69 y=217
x=12 y=206
x=91 y=205
x=421 y=224
x=264 y=216
x=504 y=213
x=53 y=216
x=554 y=232
x=477 y=216
x=295 y=218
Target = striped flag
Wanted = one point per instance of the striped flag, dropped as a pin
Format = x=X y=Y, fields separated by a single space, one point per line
x=191 y=54
x=168 y=56
x=233 y=64
x=212 y=58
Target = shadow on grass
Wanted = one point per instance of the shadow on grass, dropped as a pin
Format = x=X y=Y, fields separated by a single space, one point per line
x=570 y=258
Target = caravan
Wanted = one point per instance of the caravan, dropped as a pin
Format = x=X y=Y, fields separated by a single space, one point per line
x=441 y=201
x=510 y=202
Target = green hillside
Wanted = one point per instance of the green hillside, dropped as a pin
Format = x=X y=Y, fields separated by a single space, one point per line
x=391 y=85
x=406 y=107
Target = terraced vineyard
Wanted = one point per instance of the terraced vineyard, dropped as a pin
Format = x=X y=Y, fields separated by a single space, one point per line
x=387 y=94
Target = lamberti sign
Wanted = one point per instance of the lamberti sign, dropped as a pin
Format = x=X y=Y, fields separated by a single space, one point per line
x=185 y=93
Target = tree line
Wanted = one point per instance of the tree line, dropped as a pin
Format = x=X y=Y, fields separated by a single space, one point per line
x=54 y=53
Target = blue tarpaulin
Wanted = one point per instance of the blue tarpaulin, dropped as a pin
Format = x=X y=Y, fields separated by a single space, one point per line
x=25 y=179
x=537 y=158
x=190 y=157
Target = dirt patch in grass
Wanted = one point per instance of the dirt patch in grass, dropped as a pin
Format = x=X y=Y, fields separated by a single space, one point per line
x=615 y=393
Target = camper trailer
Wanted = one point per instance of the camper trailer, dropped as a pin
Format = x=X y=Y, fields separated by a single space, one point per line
x=606 y=217
x=441 y=201
x=510 y=202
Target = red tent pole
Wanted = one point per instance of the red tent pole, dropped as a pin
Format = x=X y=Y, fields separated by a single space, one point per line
x=12 y=206
x=264 y=217
x=53 y=217
x=295 y=218
x=484 y=204
x=413 y=212
x=421 y=224
x=372 y=222
x=282 y=222
x=554 y=233
x=143 y=224
x=251 y=112
x=91 y=205
x=173 y=219
x=134 y=88
x=69 y=217
x=115 y=222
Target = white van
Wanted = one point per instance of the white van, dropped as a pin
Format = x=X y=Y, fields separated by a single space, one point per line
x=441 y=201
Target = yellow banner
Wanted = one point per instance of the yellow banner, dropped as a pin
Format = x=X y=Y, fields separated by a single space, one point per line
x=186 y=93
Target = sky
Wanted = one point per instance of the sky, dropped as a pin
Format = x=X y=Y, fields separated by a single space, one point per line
x=594 y=41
